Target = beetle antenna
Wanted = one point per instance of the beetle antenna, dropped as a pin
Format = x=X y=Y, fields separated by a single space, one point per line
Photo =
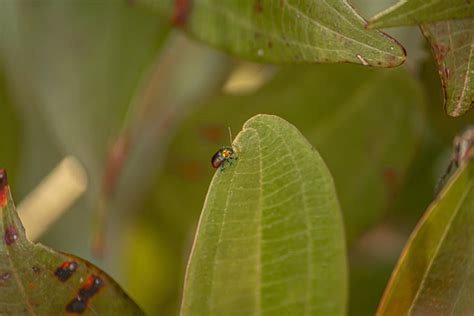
x=230 y=135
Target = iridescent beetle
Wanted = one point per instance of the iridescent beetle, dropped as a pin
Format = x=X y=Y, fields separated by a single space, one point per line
x=223 y=155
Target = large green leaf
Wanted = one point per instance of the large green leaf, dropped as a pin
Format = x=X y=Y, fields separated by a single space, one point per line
x=434 y=275
x=270 y=239
x=284 y=31
x=334 y=106
x=36 y=280
x=452 y=43
x=411 y=12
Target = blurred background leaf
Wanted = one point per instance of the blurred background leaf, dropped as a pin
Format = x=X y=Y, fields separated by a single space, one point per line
x=107 y=84
x=433 y=274
x=412 y=12
x=283 y=31
x=73 y=69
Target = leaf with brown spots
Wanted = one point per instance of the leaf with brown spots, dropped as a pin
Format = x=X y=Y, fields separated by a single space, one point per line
x=412 y=12
x=283 y=31
x=452 y=43
x=36 y=280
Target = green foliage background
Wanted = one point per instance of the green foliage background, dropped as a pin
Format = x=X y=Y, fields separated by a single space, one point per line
x=79 y=77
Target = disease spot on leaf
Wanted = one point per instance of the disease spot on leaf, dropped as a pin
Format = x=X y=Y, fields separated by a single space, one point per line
x=65 y=271
x=446 y=73
x=11 y=235
x=77 y=305
x=181 y=12
x=91 y=287
x=86 y=292
x=6 y=276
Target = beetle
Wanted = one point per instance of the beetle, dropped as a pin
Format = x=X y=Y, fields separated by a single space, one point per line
x=223 y=155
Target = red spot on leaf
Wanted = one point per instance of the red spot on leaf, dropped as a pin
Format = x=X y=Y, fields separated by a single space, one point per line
x=66 y=270
x=11 y=235
x=181 y=12
x=3 y=188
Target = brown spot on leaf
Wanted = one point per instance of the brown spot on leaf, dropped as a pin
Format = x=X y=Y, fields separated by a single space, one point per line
x=446 y=73
x=270 y=44
x=76 y=306
x=10 y=236
x=6 y=276
x=90 y=288
x=440 y=52
x=66 y=270
x=181 y=12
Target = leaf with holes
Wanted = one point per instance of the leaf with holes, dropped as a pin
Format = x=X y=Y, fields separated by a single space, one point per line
x=36 y=280
x=270 y=238
x=282 y=31
x=452 y=43
x=412 y=12
x=435 y=273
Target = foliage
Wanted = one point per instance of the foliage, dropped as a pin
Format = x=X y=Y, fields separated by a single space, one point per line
x=333 y=164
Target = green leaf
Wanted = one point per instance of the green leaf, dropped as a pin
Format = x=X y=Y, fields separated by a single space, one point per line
x=36 y=280
x=452 y=43
x=434 y=275
x=412 y=12
x=284 y=31
x=380 y=110
x=270 y=238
